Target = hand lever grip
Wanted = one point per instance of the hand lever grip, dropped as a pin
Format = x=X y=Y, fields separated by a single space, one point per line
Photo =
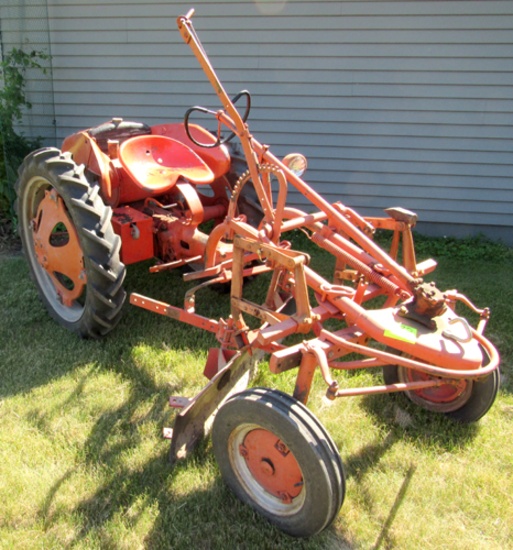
x=449 y=334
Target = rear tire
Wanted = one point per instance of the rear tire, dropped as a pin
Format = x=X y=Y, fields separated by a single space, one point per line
x=277 y=457
x=69 y=242
x=467 y=402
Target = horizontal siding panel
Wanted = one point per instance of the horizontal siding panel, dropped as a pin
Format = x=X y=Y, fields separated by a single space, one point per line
x=471 y=198
x=349 y=84
x=302 y=134
x=463 y=28
x=433 y=168
x=138 y=20
x=466 y=139
x=364 y=177
x=352 y=14
x=215 y=8
x=455 y=111
x=351 y=10
x=471 y=125
x=396 y=83
x=412 y=117
x=292 y=94
x=334 y=126
x=399 y=61
x=150 y=108
x=464 y=44
x=359 y=59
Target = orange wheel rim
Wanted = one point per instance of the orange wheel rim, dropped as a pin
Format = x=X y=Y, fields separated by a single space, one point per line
x=57 y=248
x=445 y=393
x=272 y=464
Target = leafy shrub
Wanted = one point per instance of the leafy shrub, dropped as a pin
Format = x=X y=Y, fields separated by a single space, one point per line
x=13 y=102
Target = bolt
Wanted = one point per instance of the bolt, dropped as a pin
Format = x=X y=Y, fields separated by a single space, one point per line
x=243 y=451
x=284 y=497
x=282 y=448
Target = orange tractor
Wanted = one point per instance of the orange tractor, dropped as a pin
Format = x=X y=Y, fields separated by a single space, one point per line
x=124 y=192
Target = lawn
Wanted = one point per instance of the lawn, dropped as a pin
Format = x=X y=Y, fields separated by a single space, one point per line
x=83 y=463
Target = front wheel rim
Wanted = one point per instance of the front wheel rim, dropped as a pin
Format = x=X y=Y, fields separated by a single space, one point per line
x=267 y=469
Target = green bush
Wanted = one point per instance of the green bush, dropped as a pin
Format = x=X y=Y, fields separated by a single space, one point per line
x=13 y=102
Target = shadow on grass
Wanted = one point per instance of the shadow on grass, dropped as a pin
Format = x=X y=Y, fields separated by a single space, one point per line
x=384 y=539
x=45 y=352
x=36 y=350
x=185 y=510
x=425 y=429
x=358 y=465
x=401 y=421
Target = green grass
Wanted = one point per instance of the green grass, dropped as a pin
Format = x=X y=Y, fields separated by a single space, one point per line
x=83 y=463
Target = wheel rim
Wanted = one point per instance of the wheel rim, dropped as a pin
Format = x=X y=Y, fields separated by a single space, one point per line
x=54 y=250
x=447 y=397
x=267 y=469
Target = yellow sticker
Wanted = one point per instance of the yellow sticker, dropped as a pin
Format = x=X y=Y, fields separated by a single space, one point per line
x=402 y=332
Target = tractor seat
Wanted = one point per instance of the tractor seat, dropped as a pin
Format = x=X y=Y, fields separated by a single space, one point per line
x=155 y=163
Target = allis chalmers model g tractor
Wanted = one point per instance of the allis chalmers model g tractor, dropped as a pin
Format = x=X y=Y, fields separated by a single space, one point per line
x=124 y=192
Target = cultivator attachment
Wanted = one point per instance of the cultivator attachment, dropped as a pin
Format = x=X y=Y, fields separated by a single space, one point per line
x=415 y=329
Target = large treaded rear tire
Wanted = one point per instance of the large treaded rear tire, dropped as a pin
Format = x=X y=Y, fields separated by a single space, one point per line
x=89 y=303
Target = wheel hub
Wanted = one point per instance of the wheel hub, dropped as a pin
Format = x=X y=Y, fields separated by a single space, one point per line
x=447 y=396
x=57 y=248
x=272 y=464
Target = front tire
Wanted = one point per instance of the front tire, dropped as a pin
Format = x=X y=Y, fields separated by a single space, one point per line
x=69 y=242
x=277 y=457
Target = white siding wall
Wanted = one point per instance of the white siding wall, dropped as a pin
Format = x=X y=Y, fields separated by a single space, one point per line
x=395 y=103
x=27 y=26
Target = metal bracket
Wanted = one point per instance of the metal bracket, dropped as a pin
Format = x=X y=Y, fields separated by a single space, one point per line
x=195 y=420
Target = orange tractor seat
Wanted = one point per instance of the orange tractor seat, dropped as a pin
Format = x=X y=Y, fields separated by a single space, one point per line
x=155 y=163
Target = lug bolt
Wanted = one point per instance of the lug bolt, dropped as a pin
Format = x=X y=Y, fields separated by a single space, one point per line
x=282 y=448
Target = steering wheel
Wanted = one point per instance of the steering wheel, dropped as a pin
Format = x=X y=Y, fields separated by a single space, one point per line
x=218 y=141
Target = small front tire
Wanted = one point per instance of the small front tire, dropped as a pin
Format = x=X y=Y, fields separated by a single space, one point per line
x=277 y=457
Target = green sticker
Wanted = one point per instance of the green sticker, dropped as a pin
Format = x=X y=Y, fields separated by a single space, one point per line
x=402 y=332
